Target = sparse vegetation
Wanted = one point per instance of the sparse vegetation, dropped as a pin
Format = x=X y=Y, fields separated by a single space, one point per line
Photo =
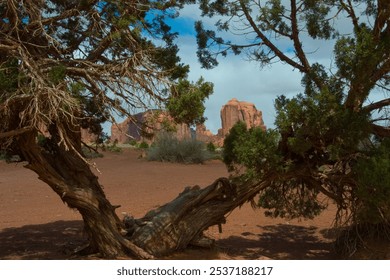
x=331 y=139
x=316 y=147
x=132 y=142
x=2 y=155
x=170 y=149
x=143 y=145
x=114 y=148
x=91 y=153
x=211 y=147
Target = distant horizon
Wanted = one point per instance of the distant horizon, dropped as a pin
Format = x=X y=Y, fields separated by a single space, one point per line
x=107 y=125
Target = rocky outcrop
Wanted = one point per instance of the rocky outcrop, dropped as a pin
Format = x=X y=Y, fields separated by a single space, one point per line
x=145 y=126
x=120 y=131
x=235 y=111
x=204 y=135
x=87 y=136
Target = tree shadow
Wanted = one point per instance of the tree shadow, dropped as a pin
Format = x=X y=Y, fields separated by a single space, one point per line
x=281 y=242
x=55 y=240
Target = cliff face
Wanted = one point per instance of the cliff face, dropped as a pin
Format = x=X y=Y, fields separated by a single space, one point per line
x=144 y=126
x=152 y=122
x=235 y=111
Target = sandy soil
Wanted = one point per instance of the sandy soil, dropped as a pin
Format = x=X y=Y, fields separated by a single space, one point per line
x=35 y=224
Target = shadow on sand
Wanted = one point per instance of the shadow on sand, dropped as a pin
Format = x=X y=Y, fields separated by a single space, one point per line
x=57 y=240
x=281 y=242
x=44 y=241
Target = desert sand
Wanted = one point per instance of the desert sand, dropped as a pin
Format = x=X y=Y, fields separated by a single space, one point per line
x=35 y=224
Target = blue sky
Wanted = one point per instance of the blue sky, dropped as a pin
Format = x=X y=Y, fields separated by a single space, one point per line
x=238 y=77
x=235 y=76
x=245 y=80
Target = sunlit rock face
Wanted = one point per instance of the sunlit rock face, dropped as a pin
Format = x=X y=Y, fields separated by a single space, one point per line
x=235 y=111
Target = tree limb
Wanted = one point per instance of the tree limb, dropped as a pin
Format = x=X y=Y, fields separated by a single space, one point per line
x=295 y=37
x=382 y=18
x=15 y=132
x=351 y=12
x=381 y=131
x=268 y=43
x=377 y=105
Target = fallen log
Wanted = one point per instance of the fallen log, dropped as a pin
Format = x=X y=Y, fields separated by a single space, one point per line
x=182 y=221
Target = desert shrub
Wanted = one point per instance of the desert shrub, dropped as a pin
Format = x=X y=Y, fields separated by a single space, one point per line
x=169 y=148
x=211 y=147
x=90 y=153
x=143 y=145
x=373 y=190
x=114 y=147
x=132 y=142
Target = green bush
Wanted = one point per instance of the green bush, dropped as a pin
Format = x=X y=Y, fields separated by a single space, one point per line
x=170 y=149
x=90 y=153
x=114 y=147
x=143 y=145
x=132 y=142
x=373 y=193
x=211 y=147
x=2 y=155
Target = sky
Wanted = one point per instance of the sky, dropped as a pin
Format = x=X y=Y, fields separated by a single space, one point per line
x=236 y=76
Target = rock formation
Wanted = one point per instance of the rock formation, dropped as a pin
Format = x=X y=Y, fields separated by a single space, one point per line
x=235 y=111
x=87 y=136
x=206 y=136
x=145 y=126
x=153 y=121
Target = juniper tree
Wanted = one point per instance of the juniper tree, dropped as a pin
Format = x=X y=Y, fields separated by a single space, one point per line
x=330 y=139
x=67 y=65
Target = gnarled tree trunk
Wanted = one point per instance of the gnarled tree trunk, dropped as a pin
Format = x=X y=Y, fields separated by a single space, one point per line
x=182 y=221
x=70 y=176
x=160 y=232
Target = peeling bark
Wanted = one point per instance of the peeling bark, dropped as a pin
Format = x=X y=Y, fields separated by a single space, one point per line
x=182 y=221
x=71 y=178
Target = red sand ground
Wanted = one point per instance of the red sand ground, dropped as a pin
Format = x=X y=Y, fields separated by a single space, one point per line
x=35 y=224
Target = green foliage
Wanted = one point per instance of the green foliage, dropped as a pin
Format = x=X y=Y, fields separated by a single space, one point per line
x=9 y=76
x=254 y=155
x=252 y=148
x=323 y=140
x=290 y=199
x=311 y=130
x=373 y=192
x=132 y=142
x=3 y=155
x=187 y=102
x=114 y=148
x=317 y=127
x=143 y=145
x=90 y=153
x=42 y=140
x=211 y=147
x=57 y=74
x=167 y=148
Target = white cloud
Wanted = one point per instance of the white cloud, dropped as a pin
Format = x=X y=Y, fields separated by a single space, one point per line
x=241 y=79
x=244 y=80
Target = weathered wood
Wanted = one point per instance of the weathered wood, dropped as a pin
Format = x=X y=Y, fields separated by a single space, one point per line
x=72 y=179
x=182 y=221
x=161 y=231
